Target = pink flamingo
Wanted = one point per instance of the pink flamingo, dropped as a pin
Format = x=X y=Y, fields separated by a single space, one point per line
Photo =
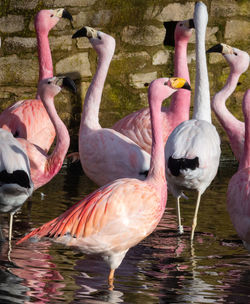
x=136 y=126
x=120 y=214
x=238 y=195
x=28 y=118
x=44 y=167
x=235 y=129
x=113 y=154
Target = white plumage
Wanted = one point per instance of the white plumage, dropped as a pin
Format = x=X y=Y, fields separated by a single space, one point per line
x=192 y=151
x=15 y=182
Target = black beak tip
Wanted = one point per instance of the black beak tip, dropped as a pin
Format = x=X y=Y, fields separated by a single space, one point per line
x=67 y=15
x=80 y=33
x=187 y=86
x=69 y=83
x=191 y=23
x=215 y=49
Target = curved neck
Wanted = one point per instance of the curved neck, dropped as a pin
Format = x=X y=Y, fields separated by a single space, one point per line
x=56 y=158
x=202 y=109
x=180 y=102
x=93 y=97
x=157 y=164
x=44 y=57
x=225 y=117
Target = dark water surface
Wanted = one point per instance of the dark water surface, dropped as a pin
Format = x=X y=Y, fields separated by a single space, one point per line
x=164 y=268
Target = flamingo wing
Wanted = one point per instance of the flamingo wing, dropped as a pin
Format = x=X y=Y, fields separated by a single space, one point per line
x=113 y=217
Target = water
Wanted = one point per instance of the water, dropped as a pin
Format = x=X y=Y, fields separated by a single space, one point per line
x=164 y=268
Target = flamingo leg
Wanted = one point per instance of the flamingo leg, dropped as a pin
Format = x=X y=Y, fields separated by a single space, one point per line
x=10 y=226
x=195 y=215
x=10 y=234
x=111 y=279
x=180 y=227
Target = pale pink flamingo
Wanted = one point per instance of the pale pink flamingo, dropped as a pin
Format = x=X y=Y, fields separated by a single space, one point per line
x=235 y=129
x=120 y=214
x=44 y=167
x=136 y=125
x=28 y=118
x=193 y=150
x=105 y=154
x=15 y=180
x=238 y=194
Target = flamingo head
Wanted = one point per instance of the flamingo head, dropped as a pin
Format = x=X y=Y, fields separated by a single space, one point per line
x=103 y=44
x=50 y=87
x=162 y=88
x=178 y=31
x=184 y=30
x=45 y=20
x=237 y=59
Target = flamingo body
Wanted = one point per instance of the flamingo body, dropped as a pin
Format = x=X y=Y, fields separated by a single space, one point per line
x=110 y=220
x=105 y=154
x=200 y=135
x=137 y=125
x=238 y=194
x=21 y=119
x=28 y=118
x=15 y=182
x=120 y=214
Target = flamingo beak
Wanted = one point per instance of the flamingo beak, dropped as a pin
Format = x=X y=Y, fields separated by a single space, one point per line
x=179 y=83
x=86 y=31
x=66 y=14
x=191 y=23
x=66 y=82
x=218 y=48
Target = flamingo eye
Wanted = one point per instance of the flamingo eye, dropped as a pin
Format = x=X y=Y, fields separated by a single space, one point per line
x=51 y=15
x=165 y=83
x=235 y=54
x=49 y=82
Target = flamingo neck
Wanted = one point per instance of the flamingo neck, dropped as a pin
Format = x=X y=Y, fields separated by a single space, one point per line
x=202 y=109
x=56 y=158
x=245 y=159
x=90 y=116
x=44 y=57
x=180 y=102
x=157 y=164
x=219 y=101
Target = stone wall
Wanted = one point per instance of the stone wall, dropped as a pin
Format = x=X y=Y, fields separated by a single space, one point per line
x=137 y=26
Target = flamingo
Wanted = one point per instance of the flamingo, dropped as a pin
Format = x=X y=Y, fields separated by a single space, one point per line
x=120 y=214
x=15 y=180
x=136 y=126
x=44 y=167
x=235 y=129
x=238 y=196
x=28 y=118
x=105 y=154
x=193 y=150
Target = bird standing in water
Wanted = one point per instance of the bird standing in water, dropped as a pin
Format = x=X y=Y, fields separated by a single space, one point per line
x=238 y=194
x=137 y=125
x=239 y=62
x=29 y=119
x=15 y=181
x=193 y=150
x=120 y=214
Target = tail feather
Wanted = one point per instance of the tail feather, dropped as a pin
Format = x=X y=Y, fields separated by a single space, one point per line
x=177 y=164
